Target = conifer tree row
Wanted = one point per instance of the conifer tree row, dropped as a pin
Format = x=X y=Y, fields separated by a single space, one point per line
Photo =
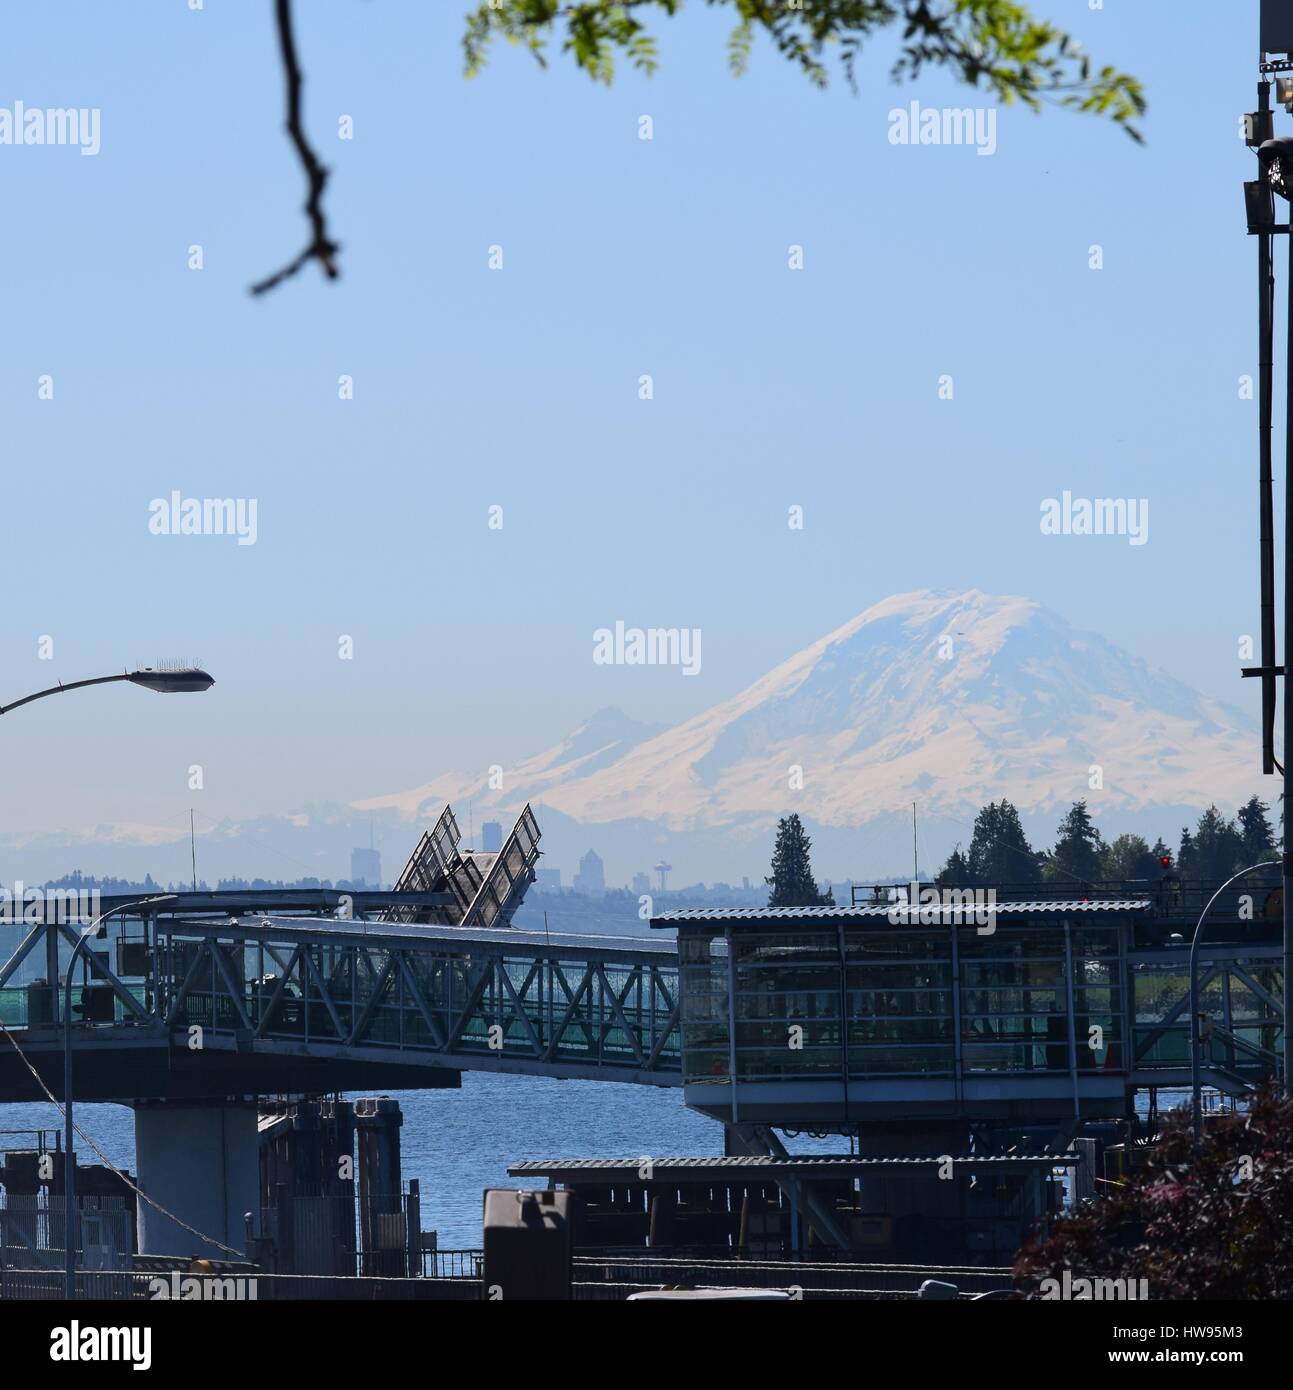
x=999 y=851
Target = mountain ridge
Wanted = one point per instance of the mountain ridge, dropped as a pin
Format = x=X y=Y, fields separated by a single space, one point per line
x=878 y=714
x=950 y=698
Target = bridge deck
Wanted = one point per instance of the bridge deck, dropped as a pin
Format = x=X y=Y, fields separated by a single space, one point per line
x=230 y=995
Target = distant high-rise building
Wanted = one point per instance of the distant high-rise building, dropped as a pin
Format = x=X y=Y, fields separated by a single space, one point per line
x=641 y=884
x=491 y=837
x=366 y=867
x=591 y=878
x=547 y=880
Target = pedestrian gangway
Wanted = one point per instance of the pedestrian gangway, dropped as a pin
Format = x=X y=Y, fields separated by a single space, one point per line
x=227 y=996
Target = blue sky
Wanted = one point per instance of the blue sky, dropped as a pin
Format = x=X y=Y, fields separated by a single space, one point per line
x=519 y=387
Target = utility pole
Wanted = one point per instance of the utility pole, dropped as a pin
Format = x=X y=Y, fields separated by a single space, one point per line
x=1275 y=175
x=1286 y=877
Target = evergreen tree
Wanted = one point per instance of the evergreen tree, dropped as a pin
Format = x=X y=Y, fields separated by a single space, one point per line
x=999 y=849
x=792 y=881
x=1256 y=836
x=1078 y=851
x=1130 y=857
x=956 y=872
x=1185 y=854
x=1214 y=850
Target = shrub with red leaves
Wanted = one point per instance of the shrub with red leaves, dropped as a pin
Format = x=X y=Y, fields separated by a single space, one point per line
x=1211 y=1224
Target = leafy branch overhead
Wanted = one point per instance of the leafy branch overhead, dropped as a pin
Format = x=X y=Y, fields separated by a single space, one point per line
x=997 y=45
x=993 y=44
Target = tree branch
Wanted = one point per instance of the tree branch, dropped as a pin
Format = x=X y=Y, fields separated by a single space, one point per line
x=321 y=247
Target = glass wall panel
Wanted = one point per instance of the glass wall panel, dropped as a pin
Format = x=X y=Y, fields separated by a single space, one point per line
x=894 y=985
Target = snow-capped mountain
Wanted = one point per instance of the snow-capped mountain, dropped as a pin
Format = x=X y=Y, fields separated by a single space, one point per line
x=947 y=699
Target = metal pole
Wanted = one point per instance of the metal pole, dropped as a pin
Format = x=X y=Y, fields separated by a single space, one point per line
x=731 y=1021
x=1196 y=1079
x=1069 y=1005
x=1266 y=545
x=1287 y=848
x=69 y=1153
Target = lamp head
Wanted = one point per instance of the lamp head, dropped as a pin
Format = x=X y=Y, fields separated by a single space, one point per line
x=172 y=680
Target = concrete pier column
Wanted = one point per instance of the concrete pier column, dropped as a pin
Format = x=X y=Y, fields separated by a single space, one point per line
x=377 y=1121
x=202 y=1163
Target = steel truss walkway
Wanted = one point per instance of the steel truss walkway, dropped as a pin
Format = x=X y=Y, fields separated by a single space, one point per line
x=246 y=1002
x=1241 y=1015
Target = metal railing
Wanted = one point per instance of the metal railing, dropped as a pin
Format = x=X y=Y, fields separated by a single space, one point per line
x=126 y=1285
x=814 y=1275
x=457 y=997
x=32 y=1232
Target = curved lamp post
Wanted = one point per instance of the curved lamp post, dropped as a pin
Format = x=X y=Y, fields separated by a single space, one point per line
x=173 y=680
x=69 y=1154
x=177 y=680
x=1196 y=1081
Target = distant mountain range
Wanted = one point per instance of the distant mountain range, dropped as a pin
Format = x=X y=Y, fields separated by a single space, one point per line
x=945 y=699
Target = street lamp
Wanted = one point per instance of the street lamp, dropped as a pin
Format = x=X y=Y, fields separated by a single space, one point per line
x=1196 y=1080
x=165 y=680
x=69 y=1155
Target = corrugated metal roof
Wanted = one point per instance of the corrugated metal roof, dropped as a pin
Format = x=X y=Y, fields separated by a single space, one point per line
x=408 y=934
x=766 y=1163
x=869 y=913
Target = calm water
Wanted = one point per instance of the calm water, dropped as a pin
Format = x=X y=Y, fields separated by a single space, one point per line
x=459 y=1142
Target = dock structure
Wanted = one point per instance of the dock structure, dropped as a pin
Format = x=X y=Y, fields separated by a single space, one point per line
x=908 y=1035
x=1040 y=1010
x=955 y=1047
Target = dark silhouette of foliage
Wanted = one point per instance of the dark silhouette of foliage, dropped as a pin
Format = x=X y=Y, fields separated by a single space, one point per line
x=792 y=883
x=1079 y=850
x=999 y=849
x=1214 y=851
x=1216 y=1224
x=1255 y=833
x=956 y=872
x=1129 y=856
x=999 y=852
